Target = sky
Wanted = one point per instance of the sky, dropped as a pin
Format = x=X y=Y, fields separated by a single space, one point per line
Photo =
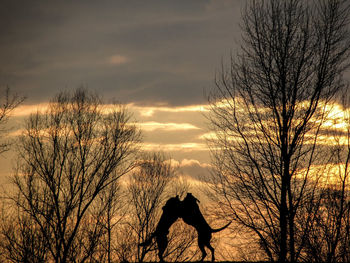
x=147 y=52
x=158 y=57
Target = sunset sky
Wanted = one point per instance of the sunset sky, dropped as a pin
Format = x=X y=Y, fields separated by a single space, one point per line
x=158 y=57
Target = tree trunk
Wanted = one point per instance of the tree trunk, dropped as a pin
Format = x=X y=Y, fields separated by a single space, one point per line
x=283 y=223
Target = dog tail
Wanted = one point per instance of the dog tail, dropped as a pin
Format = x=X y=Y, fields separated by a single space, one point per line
x=221 y=228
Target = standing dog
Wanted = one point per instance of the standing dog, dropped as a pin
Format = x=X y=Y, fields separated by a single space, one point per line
x=191 y=215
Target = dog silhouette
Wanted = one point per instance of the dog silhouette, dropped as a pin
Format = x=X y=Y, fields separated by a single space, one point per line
x=190 y=213
x=169 y=216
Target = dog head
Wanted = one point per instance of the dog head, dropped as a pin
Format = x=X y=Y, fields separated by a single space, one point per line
x=190 y=198
x=172 y=205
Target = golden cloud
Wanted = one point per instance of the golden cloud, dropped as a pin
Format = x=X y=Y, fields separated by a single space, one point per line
x=153 y=125
x=186 y=147
x=149 y=111
x=25 y=110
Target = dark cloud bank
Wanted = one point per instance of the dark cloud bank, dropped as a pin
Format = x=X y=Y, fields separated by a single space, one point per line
x=136 y=51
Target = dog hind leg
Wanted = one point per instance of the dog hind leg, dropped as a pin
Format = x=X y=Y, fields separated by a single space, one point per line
x=212 y=252
x=202 y=249
x=162 y=242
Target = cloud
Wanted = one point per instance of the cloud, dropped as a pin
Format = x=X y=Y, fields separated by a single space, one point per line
x=184 y=147
x=118 y=60
x=192 y=162
x=222 y=5
x=147 y=111
x=192 y=169
x=208 y=136
x=25 y=110
x=195 y=169
x=177 y=46
x=152 y=126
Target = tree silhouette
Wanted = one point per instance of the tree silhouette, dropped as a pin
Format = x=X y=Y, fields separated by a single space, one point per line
x=8 y=103
x=328 y=235
x=267 y=110
x=147 y=191
x=151 y=184
x=68 y=157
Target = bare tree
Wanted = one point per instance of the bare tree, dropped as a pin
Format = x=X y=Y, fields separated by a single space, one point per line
x=267 y=110
x=7 y=104
x=152 y=183
x=182 y=245
x=21 y=240
x=10 y=224
x=68 y=157
x=147 y=193
x=125 y=244
x=114 y=201
x=328 y=238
